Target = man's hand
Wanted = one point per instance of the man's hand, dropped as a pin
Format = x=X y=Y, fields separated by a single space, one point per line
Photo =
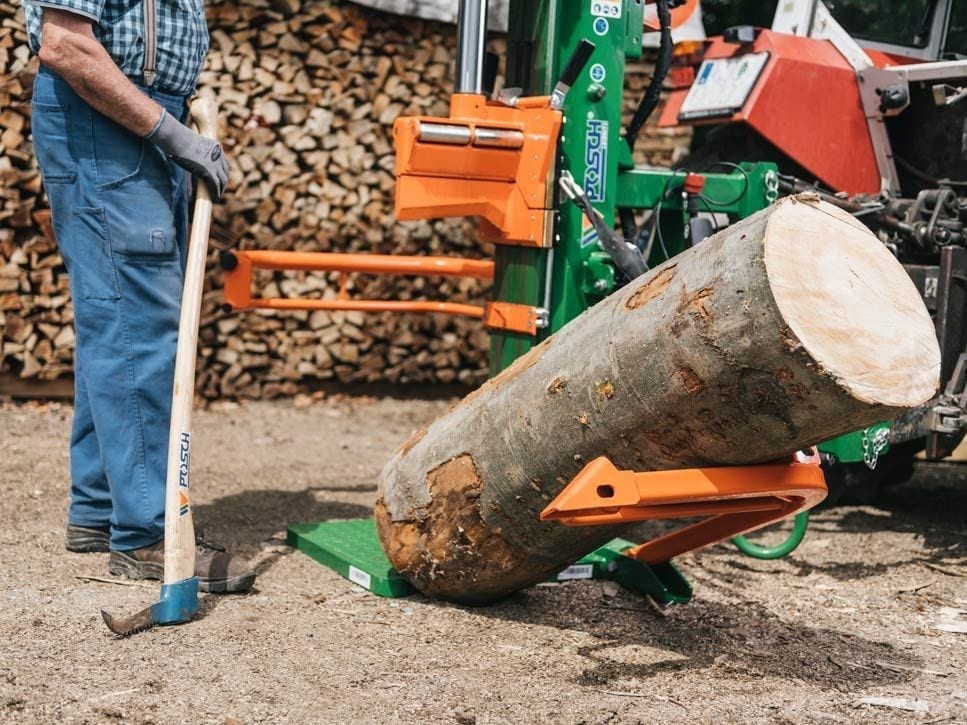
x=200 y=156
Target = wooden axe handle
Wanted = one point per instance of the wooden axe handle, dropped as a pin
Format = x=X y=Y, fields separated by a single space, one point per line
x=179 y=526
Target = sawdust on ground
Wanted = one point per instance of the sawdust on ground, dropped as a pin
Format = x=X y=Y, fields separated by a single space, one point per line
x=853 y=615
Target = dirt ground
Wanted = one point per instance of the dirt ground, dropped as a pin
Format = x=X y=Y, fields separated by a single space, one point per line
x=853 y=614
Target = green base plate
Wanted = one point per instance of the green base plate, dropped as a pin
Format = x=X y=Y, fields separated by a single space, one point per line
x=351 y=548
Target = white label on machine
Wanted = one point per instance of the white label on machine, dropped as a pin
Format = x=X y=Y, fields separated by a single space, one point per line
x=358 y=576
x=723 y=86
x=606 y=8
x=576 y=571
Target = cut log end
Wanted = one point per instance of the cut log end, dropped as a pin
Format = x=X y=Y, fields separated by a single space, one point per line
x=849 y=304
x=435 y=546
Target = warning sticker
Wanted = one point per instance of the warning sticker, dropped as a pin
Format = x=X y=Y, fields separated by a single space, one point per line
x=576 y=571
x=358 y=576
x=606 y=8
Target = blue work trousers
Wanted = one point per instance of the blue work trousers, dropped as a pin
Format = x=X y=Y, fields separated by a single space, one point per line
x=120 y=215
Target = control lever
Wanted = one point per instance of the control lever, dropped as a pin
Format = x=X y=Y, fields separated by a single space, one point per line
x=579 y=59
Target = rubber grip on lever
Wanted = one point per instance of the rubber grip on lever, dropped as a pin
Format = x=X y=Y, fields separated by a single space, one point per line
x=579 y=59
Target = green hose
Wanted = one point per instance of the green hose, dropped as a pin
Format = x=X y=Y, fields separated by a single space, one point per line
x=776 y=552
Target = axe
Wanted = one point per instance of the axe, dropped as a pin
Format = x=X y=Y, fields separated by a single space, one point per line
x=179 y=589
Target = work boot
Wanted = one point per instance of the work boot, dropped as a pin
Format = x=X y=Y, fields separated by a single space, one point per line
x=88 y=540
x=218 y=571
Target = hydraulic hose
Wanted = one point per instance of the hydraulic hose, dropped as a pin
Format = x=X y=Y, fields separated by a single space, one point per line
x=653 y=95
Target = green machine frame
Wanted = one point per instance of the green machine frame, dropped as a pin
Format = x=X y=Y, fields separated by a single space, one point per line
x=576 y=273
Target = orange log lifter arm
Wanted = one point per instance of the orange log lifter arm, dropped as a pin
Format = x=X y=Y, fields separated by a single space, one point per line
x=735 y=500
x=239 y=267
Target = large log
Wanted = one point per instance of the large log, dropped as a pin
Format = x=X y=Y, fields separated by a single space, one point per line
x=785 y=330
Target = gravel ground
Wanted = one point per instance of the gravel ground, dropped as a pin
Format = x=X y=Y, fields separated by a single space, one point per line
x=854 y=614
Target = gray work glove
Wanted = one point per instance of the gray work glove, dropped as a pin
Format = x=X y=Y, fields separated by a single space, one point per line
x=193 y=152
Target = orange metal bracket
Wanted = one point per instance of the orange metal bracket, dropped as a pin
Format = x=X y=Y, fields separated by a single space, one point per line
x=487 y=160
x=735 y=500
x=239 y=267
x=511 y=317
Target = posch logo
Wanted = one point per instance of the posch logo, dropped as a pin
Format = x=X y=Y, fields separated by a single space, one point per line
x=596 y=160
x=183 y=459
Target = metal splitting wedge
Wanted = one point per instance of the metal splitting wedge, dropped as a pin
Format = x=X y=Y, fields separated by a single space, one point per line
x=179 y=590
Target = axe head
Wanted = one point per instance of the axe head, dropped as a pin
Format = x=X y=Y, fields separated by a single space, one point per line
x=178 y=604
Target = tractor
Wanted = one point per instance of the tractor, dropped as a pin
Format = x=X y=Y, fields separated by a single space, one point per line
x=860 y=102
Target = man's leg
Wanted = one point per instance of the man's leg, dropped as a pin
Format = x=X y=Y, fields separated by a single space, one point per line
x=89 y=515
x=62 y=163
x=115 y=228
x=130 y=376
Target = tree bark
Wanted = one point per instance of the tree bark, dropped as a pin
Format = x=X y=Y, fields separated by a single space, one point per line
x=787 y=329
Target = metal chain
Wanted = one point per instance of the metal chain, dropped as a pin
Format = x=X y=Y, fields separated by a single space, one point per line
x=873 y=447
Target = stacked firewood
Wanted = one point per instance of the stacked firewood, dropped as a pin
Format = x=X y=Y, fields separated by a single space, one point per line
x=307 y=95
x=36 y=319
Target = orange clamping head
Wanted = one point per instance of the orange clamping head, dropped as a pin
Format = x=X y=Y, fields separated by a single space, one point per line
x=735 y=500
x=486 y=160
x=679 y=15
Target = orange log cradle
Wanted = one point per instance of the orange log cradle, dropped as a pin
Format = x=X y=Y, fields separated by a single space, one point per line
x=735 y=500
x=509 y=188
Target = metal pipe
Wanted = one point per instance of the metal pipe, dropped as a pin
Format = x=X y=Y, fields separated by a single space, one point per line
x=365 y=263
x=445 y=133
x=498 y=138
x=351 y=305
x=471 y=46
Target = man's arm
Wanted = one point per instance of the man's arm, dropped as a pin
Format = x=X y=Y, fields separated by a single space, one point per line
x=68 y=47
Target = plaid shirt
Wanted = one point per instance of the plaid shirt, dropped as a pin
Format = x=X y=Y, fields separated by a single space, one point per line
x=119 y=27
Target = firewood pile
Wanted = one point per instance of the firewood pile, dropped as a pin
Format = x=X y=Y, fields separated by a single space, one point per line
x=307 y=96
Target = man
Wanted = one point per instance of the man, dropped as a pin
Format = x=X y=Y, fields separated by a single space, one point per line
x=109 y=108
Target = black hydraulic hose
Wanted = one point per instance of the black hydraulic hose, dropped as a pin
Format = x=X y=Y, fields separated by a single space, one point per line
x=653 y=95
x=626 y=258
